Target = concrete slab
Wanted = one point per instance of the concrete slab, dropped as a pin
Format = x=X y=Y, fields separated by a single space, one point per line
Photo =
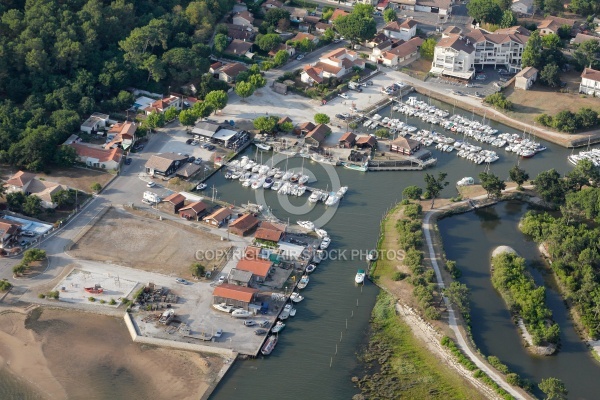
x=114 y=286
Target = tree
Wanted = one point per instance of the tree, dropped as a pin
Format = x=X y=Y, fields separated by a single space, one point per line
x=550 y=187
x=32 y=206
x=412 y=192
x=96 y=187
x=321 y=118
x=15 y=201
x=485 y=11
x=200 y=109
x=584 y=173
x=518 y=176
x=217 y=99
x=499 y=100
x=244 y=89
x=274 y=15
x=328 y=35
x=492 y=184
x=281 y=57
x=435 y=185
x=155 y=120
x=554 y=388
x=565 y=121
x=550 y=75
x=505 y=5
x=65 y=156
x=532 y=54
x=5 y=285
x=265 y=124
x=586 y=53
x=355 y=26
x=287 y=127
x=268 y=42
x=220 y=42
x=64 y=198
x=171 y=113
x=458 y=294
x=553 y=6
x=428 y=48
x=258 y=81
x=187 y=117
x=552 y=41
x=389 y=15
x=508 y=19
x=382 y=133
x=33 y=255
x=197 y=270
x=587 y=118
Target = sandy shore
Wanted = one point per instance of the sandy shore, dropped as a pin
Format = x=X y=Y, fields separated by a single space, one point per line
x=71 y=355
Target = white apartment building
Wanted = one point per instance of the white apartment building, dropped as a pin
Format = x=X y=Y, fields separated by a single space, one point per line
x=590 y=82
x=457 y=55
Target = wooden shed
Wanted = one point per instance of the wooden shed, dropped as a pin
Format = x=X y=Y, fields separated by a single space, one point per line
x=237 y=296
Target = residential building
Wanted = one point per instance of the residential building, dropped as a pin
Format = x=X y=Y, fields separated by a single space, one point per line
x=228 y=72
x=404 y=30
x=237 y=296
x=162 y=105
x=522 y=6
x=283 y=120
x=296 y=14
x=239 y=278
x=172 y=203
x=303 y=35
x=399 y=54
x=338 y=12
x=347 y=140
x=188 y=170
x=98 y=157
x=408 y=5
x=457 y=55
x=260 y=268
x=321 y=27
x=367 y=2
x=336 y=63
x=304 y=128
x=240 y=32
x=451 y=30
x=239 y=48
x=525 y=79
x=9 y=232
x=28 y=184
x=366 y=142
x=405 y=146
x=454 y=56
x=194 y=211
x=218 y=217
x=581 y=37
x=243 y=225
x=282 y=46
x=376 y=40
x=316 y=136
x=267 y=5
x=164 y=164
x=243 y=18
x=590 y=82
x=95 y=123
x=382 y=5
x=552 y=24
x=441 y=7
x=123 y=135
x=268 y=235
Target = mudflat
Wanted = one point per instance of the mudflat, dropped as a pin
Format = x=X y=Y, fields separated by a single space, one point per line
x=67 y=354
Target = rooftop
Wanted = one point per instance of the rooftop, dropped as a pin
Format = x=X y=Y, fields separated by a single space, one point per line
x=162 y=162
x=268 y=234
x=591 y=74
x=257 y=266
x=244 y=222
x=102 y=155
x=219 y=215
x=527 y=72
x=235 y=292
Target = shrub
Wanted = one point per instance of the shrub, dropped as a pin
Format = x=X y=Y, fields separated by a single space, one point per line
x=399 y=276
x=96 y=187
x=197 y=270
x=55 y=294
x=102 y=301
x=432 y=313
x=499 y=100
x=5 y=285
x=112 y=302
x=405 y=202
x=92 y=299
x=41 y=296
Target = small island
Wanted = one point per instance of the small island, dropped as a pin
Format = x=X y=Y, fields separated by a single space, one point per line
x=525 y=300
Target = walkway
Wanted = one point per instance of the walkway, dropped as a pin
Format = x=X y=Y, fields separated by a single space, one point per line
x=452 y=321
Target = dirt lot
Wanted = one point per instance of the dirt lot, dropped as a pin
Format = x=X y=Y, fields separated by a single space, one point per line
x=528 y=104
x=145 y=244
x=418 y=68
x=79 y=178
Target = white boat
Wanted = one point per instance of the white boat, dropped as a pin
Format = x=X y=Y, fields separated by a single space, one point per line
x=268 y=183
x=466 y=181
x=310 y=268
x=258 y=183
x=296 y=297
x=278 y=327
x=372 y=256
x=303 y=179
x=332 y=200
x=286 y=176
x=263 y=146
x=360 y=276
x=321 y=233
x=306 y=225
x=303 y=282
x=314 y=196
x=201 y=186
x=223 y=307
x=239 y=313
x=285 y=313
x=325 y=243
x=342 y=191
x=292 y=312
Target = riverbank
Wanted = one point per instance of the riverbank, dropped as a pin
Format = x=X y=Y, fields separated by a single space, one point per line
x=68 y=354
x=481 y=109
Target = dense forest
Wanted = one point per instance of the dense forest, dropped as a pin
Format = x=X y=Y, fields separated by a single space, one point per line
x=523 y=297
x=60 y=61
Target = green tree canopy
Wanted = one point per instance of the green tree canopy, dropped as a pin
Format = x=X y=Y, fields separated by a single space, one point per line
x=187 y=117
x=155 y=120
x=268 y=42
x=550 y=75
x=64 y=198
x=258 y=81
x=532 y=54
x=412 y=192
x=492 y=184
x=554 y=389
x=217 y=99
x=281 y=57
x=518 y=176
x=266 y=124
x=435 y=185
x=273 y=16
x=508 y=19
x=321 y=118
x=389 y=15
x=458 y=293
x=220 y=42
x=550 y=187
x=32 y=206
x=286 y=126
x=428 y=48
x=244 y=89
x=485 y=11
x=355 y=26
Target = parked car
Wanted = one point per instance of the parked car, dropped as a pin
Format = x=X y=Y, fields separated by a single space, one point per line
x=300 y=57
x=210 y=147
x=343 y=96
x=370 y=83
x=191 y=159
x=336 y=40
x=127 y=161
x=189 y=141
x=205 y=145
x=27 y=234
x=340 y=116
x=181 y=280
x=23 y=243
x=218 y=333
x=221 y=279
x=150 y=184
x=194 y=142
x=198 y=161
x=345 y=115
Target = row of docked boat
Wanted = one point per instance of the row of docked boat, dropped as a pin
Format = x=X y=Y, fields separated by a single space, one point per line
x=592 y=155
x=329 y=198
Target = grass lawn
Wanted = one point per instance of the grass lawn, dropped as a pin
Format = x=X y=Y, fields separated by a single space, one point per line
x=418 y=68
x=528 y=104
